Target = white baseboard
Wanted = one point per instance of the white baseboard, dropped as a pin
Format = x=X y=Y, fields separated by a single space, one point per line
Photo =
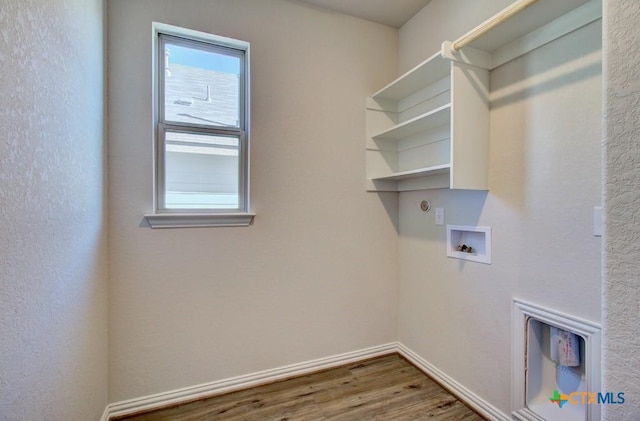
x=105 y=414
x=187 y=394
x=192 y=393
x=483 y=407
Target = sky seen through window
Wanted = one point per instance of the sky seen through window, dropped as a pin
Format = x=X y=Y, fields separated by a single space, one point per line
x=203 y=59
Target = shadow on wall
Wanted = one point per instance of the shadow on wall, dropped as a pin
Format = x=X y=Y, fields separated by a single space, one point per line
x=462 y=207
x=512 y=88
x=390 y=202
x=535 y=101
x=563 y=62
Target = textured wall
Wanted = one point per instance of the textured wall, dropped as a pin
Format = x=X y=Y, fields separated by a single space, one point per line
x=544 y=177
x=621 y=312
x=315 y=275
x=53 y=313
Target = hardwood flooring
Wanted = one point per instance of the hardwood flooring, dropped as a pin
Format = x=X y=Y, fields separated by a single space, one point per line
x=387 y=388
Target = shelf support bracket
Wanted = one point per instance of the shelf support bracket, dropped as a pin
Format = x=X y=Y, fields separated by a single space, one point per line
x=469 y=55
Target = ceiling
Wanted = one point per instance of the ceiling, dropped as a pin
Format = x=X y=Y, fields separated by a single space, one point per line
x=394 y=13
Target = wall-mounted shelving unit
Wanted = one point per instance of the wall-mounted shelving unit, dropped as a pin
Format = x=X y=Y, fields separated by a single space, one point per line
x=430 y=127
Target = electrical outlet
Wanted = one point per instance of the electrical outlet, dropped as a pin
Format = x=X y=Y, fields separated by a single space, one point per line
x=439 y=216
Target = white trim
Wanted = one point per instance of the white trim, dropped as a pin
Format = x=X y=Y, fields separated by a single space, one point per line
x=198 y=220
x=200 y=217
x=105 y=414
x=525 y=414
x=521 y=311
x=191 y=393
x=179 y=31
x=480 y=405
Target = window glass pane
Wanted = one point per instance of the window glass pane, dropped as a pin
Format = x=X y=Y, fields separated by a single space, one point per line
x=201 y=86
x=201 y=171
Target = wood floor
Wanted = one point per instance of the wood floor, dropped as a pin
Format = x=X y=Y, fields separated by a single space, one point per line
x=380 y=389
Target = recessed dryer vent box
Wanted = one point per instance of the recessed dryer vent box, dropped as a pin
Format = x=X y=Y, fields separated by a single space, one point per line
x=462 y=237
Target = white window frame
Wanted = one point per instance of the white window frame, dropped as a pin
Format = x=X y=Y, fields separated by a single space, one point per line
x=162 y=217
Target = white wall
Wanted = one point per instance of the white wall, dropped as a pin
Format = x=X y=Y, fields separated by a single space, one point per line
x=544 y=179
x=621 y=304
x=53 y=307
x=316 y=274
x=52 y=251
x=447 y=20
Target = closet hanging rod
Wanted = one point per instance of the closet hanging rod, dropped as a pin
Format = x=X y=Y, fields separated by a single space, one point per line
x=487 y=25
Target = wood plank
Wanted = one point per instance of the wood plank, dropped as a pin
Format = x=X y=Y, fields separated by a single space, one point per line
x=383 y=388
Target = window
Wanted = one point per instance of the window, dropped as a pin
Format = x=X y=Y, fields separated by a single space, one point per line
x=202 y=130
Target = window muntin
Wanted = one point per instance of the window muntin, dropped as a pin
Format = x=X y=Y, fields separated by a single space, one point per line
x=202 y=145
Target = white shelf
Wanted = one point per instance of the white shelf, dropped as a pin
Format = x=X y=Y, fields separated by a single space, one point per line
x=530 y=19
x=533 y=27
x=424 y=74
x=435 y=118
x=429 y=129
x=420 y=172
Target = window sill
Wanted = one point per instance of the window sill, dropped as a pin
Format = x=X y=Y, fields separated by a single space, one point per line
x=195 y=220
